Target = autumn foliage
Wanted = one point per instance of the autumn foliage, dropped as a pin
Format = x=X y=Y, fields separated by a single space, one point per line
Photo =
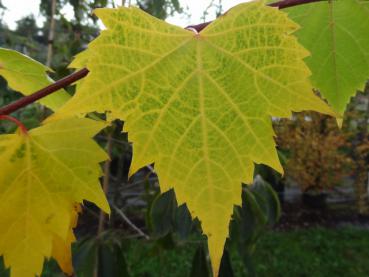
x=316 y=149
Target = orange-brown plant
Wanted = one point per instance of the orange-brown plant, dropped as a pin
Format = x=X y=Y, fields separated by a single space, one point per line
x=315 y=150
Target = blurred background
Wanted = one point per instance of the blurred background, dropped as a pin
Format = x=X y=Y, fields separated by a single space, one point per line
x=313 y=221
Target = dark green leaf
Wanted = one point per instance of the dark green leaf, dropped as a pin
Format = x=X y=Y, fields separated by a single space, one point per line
x=200 y=264
x=183 y=222
x=226 y=266
x=112 y=262
x=84 y=257
x=162 y=213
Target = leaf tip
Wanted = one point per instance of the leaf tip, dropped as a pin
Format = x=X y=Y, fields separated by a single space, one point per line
x=339 y=121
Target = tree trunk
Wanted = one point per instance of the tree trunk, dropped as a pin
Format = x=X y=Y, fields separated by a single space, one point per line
x=50 y=42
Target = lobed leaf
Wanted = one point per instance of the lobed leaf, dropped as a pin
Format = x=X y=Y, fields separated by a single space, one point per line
x=198 y=105
x=43 y=175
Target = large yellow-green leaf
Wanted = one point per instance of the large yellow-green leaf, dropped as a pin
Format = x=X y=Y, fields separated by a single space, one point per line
x=337 y=35
x=27 y=76
x=198 y=105
x=42 y=176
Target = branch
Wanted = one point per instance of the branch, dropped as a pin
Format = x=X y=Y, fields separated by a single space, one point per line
x=280 y=4
x=106 y=182
x=129 y=222
x=62 y=83
x=284 y=4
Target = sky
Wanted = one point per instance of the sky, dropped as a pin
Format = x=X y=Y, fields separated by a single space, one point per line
x=20 y=8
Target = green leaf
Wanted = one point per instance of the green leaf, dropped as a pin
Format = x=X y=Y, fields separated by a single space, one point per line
x=104 y=253
x=198 y=105
x=112 y=262
x=260 y=209
x=162 y=213
x=249 y=221
x=267 y=199
x=183 y=224
x=85 y=257
x=337 y=35
x=27 y=76
x=226 y=269
x=200 y=267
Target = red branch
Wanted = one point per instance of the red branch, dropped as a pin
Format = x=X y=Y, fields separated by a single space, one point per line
x=62 y=83
x=16 y=121
x=291 y=3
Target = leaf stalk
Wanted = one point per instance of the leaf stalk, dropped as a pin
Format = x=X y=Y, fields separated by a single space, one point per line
x=20 y=125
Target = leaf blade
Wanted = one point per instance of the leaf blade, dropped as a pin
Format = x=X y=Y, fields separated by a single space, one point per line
x=336 y=34
x=43 y=175
x=185 y=108
x=27 y=76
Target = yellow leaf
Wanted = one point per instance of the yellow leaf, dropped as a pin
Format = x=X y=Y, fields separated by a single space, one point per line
x=61 y=250
x=26 y=75
x=43 y=174
x=198 y=105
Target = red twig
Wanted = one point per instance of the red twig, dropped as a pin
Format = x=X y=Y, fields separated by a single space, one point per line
x=83 y=72
x=24 y=101
x=291 y=3
x=16 y=121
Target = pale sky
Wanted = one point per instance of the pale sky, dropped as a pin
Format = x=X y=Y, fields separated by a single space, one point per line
x=20 y=8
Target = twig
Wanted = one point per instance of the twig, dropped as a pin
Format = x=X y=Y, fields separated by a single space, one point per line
x=129 y=222
x=206 y=11
x=151 y=168
x=102 y=215
x=284 y=4
x=122 y=142
x=106 y=181
x=83 y=72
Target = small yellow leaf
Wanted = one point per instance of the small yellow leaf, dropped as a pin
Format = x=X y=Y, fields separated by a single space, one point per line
x=43 y=174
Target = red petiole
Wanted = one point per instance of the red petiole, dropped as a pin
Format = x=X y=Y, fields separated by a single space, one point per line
x=16 y=121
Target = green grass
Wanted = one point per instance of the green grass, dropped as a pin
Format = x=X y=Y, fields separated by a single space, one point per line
x=312 y=252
